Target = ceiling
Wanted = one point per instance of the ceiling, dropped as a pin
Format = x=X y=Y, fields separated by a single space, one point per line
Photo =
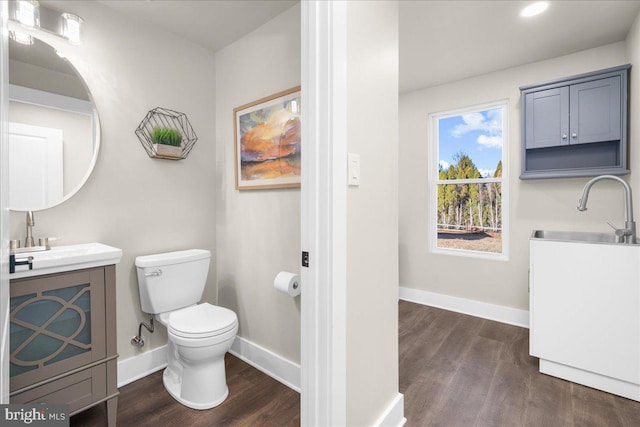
x=444 y=41
x=213 y=24
x=40 y=55
x=440 y=41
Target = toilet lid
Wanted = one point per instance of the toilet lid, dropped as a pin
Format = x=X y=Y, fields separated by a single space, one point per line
x=202 y=320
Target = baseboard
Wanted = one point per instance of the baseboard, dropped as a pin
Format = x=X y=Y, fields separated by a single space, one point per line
x=499 y=313
x=276 y=366
x=591 y=379
x=136 y=367
x=393 y=416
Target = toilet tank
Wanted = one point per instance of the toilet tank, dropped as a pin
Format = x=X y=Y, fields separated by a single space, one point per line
x=172 y=280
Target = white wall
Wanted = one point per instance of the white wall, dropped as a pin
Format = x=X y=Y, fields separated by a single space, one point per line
x=132 y=202
x=534 y=204
x=258 y=231
x=633 y=57
x=77 y=135
x=372 y=210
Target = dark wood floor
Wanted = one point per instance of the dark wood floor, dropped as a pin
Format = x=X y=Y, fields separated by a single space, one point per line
x=255 y=399
x=458 y=370
x=455 y=370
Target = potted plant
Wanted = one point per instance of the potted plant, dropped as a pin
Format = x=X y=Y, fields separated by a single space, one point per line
x=167 y=142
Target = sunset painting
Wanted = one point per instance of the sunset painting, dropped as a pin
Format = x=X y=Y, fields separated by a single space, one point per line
x=267 y=134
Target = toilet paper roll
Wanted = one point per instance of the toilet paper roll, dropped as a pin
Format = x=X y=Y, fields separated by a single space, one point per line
x=288 y=283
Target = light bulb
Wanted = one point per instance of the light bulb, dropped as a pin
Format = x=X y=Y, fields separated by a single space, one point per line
x=28 y=13
x=21 y=38
x=71 y=25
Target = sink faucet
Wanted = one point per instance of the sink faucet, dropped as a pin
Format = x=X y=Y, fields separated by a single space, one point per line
x=28 y=242
x=628 y=233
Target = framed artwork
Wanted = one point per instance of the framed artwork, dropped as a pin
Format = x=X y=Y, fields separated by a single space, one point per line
x=267 y=142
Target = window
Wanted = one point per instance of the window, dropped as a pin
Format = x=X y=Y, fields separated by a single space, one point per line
x=468 y=181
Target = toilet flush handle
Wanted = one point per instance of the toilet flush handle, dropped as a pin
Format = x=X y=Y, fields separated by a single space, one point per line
x=158 y=272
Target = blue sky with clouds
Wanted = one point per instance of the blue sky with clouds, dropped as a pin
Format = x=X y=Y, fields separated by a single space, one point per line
x=477 y=134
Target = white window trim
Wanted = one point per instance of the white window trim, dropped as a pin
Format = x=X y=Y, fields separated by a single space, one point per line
x=433 y=181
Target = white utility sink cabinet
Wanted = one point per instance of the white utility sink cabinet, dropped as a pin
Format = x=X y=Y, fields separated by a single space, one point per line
x=585 y=313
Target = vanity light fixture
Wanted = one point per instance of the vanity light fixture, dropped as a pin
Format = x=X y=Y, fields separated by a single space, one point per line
x=71 y=25
x=534 y=9
x=21 y=38
x=27 y=13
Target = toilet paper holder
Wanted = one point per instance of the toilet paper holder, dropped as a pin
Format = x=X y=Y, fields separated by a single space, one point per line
x=287 y=283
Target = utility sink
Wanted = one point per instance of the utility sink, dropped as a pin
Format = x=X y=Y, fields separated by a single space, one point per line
x=66 y=258
x=577 y=236
x=585 y=309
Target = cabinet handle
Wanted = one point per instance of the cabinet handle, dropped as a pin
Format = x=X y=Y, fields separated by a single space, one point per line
x=13 y=263
x=574 y=135
x=564 y=136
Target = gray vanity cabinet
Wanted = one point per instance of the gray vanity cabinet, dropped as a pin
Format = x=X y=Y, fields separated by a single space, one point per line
x=576 y=126
x=63 y=339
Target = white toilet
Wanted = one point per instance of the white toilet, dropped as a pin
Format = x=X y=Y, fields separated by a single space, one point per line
x=200 y=335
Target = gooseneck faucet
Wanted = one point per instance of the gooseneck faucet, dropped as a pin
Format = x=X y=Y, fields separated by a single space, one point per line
x=628 y=233
x=28 y=242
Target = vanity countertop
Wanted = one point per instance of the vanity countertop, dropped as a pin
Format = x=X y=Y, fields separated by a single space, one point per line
x=67 y=258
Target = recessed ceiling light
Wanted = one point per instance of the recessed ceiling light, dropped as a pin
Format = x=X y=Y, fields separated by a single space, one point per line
x=534 y=9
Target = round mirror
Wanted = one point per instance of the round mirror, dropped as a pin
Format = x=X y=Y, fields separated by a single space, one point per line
x=54 y=131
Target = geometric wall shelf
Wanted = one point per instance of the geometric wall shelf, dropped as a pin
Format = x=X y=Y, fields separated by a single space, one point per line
x=166 y=134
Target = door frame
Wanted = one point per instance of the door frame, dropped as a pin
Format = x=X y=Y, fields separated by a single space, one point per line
x=4 y=206
x=324 y=213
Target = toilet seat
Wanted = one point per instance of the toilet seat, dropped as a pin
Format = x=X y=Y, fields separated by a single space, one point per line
x=202 y=321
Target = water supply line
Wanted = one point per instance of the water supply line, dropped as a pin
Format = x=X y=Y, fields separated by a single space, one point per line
x=137 y=340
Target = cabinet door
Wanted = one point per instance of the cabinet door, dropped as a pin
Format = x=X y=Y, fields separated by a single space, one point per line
x=585 y=307
x=57 y=324
x=595 y=111
x=547 y=118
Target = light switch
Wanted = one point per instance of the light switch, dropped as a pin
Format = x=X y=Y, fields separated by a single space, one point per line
x=353 y=170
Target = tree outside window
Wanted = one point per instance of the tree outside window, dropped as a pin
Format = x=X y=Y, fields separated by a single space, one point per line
x=468 y=179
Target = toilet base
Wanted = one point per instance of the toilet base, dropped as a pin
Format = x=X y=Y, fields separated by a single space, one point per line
x=173 y=385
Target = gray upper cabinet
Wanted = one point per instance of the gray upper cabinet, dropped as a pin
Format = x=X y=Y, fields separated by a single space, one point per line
x=576 y=126
x=595 y=111
x=548 y=113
